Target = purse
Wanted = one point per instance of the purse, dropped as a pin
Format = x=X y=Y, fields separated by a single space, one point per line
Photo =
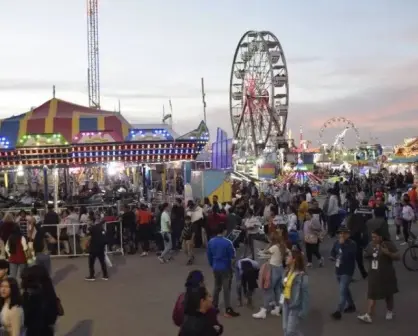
x=311 y=239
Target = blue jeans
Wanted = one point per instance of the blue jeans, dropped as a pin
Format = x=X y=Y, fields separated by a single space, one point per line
x=346 y=299
x=168 y=245
x=16 y=270
x=291 y=321
x=271 y=296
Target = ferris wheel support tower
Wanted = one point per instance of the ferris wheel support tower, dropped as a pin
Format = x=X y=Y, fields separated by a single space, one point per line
x=93 y=71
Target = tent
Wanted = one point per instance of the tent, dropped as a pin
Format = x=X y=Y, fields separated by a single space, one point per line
x=59 y=116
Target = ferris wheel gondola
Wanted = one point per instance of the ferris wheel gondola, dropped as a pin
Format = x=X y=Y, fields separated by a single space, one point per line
x=259 y=94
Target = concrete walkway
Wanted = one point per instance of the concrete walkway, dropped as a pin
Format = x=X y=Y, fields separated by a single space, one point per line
x=139 y=297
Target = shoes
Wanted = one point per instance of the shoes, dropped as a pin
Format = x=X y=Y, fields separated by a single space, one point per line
x=336 y=315
x=389 y=315
x=162 y=260
x=144 y=254
x=365 y=318
x=105 y=278
x=321 y=262
x=90 y=278
x=262 y=314
x=231 y=313
x=276 y=311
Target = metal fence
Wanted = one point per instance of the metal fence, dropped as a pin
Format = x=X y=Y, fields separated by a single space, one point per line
x=71 y=240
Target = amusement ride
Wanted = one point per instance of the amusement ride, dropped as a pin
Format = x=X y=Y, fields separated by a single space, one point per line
x=339 y=142
x=259 y=97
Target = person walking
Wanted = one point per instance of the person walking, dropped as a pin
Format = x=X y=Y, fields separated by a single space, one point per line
x=97 y=246
x=382 y=283
x=166 y=234
x=311 y=236
x=344 y=253
x=16 y=249
x=221 y=254
x=295 y=297
x=271 y=294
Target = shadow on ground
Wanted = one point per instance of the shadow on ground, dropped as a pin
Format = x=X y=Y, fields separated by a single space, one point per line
x=82 y=328
x=63 y=273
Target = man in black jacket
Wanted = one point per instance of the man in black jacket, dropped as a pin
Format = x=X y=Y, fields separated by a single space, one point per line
x=97 y=246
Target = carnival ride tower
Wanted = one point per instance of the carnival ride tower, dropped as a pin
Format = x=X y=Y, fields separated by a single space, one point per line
x=93 y=71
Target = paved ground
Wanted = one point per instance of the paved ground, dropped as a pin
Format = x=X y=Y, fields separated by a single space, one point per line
x=139 y=298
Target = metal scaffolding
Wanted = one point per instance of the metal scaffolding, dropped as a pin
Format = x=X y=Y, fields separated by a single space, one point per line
x=93 y=71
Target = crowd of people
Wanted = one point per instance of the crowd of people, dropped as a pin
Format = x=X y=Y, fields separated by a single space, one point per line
x=295 y=227
x=290 y=223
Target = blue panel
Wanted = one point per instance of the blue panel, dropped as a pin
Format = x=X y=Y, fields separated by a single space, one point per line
x=88 y=124
x=10 y=130
x=212 y=180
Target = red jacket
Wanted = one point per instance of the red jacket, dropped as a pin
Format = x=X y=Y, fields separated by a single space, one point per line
x=19 y=256
x=215 y=219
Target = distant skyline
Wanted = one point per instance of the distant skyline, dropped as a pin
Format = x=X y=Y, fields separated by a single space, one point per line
x=356 y=59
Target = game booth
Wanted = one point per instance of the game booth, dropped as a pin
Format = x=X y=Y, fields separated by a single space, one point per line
x=61 y=151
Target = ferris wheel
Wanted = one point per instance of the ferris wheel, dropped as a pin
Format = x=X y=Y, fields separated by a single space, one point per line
x=345 y=125
x=258 y=94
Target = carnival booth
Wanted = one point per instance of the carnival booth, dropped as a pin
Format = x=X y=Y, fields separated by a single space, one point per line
x=87 y=149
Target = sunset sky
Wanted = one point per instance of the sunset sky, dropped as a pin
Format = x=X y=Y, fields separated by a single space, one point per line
x=357 y=59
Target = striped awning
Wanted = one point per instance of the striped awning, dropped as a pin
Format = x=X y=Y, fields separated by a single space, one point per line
x=58 y=116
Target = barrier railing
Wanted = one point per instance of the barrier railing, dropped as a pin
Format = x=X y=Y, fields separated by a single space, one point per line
x=70 y=240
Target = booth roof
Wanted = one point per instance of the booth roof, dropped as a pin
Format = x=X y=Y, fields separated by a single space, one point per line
x=59 y=116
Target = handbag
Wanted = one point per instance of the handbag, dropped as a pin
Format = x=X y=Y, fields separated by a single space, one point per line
x=311 y=238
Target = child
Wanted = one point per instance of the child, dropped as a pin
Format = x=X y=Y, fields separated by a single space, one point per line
x=187 y=238
x=246 y=274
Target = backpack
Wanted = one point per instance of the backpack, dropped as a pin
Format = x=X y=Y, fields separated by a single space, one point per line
x=408 y=213
x=178 y=311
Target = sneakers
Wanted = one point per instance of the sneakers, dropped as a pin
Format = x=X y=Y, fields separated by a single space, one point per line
x=365 y=318
x=397 y=237
x=276 y=311
x=162 y=260
x=336 y=315
x=403 y=243
x=231 y=313
x=321 y=262
x=309 y=265
x=262 y=314
x=389 y=315
x=144 y=254
x=91 y=279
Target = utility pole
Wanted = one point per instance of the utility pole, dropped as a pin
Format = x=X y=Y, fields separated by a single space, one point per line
x=203 y=99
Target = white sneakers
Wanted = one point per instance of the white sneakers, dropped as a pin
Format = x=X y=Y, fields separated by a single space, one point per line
x=275 y=311
x=262 y=314
x=367 y=318
x=389 y=315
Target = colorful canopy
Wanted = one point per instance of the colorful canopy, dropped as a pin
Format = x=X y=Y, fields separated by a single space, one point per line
x=58 y=116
